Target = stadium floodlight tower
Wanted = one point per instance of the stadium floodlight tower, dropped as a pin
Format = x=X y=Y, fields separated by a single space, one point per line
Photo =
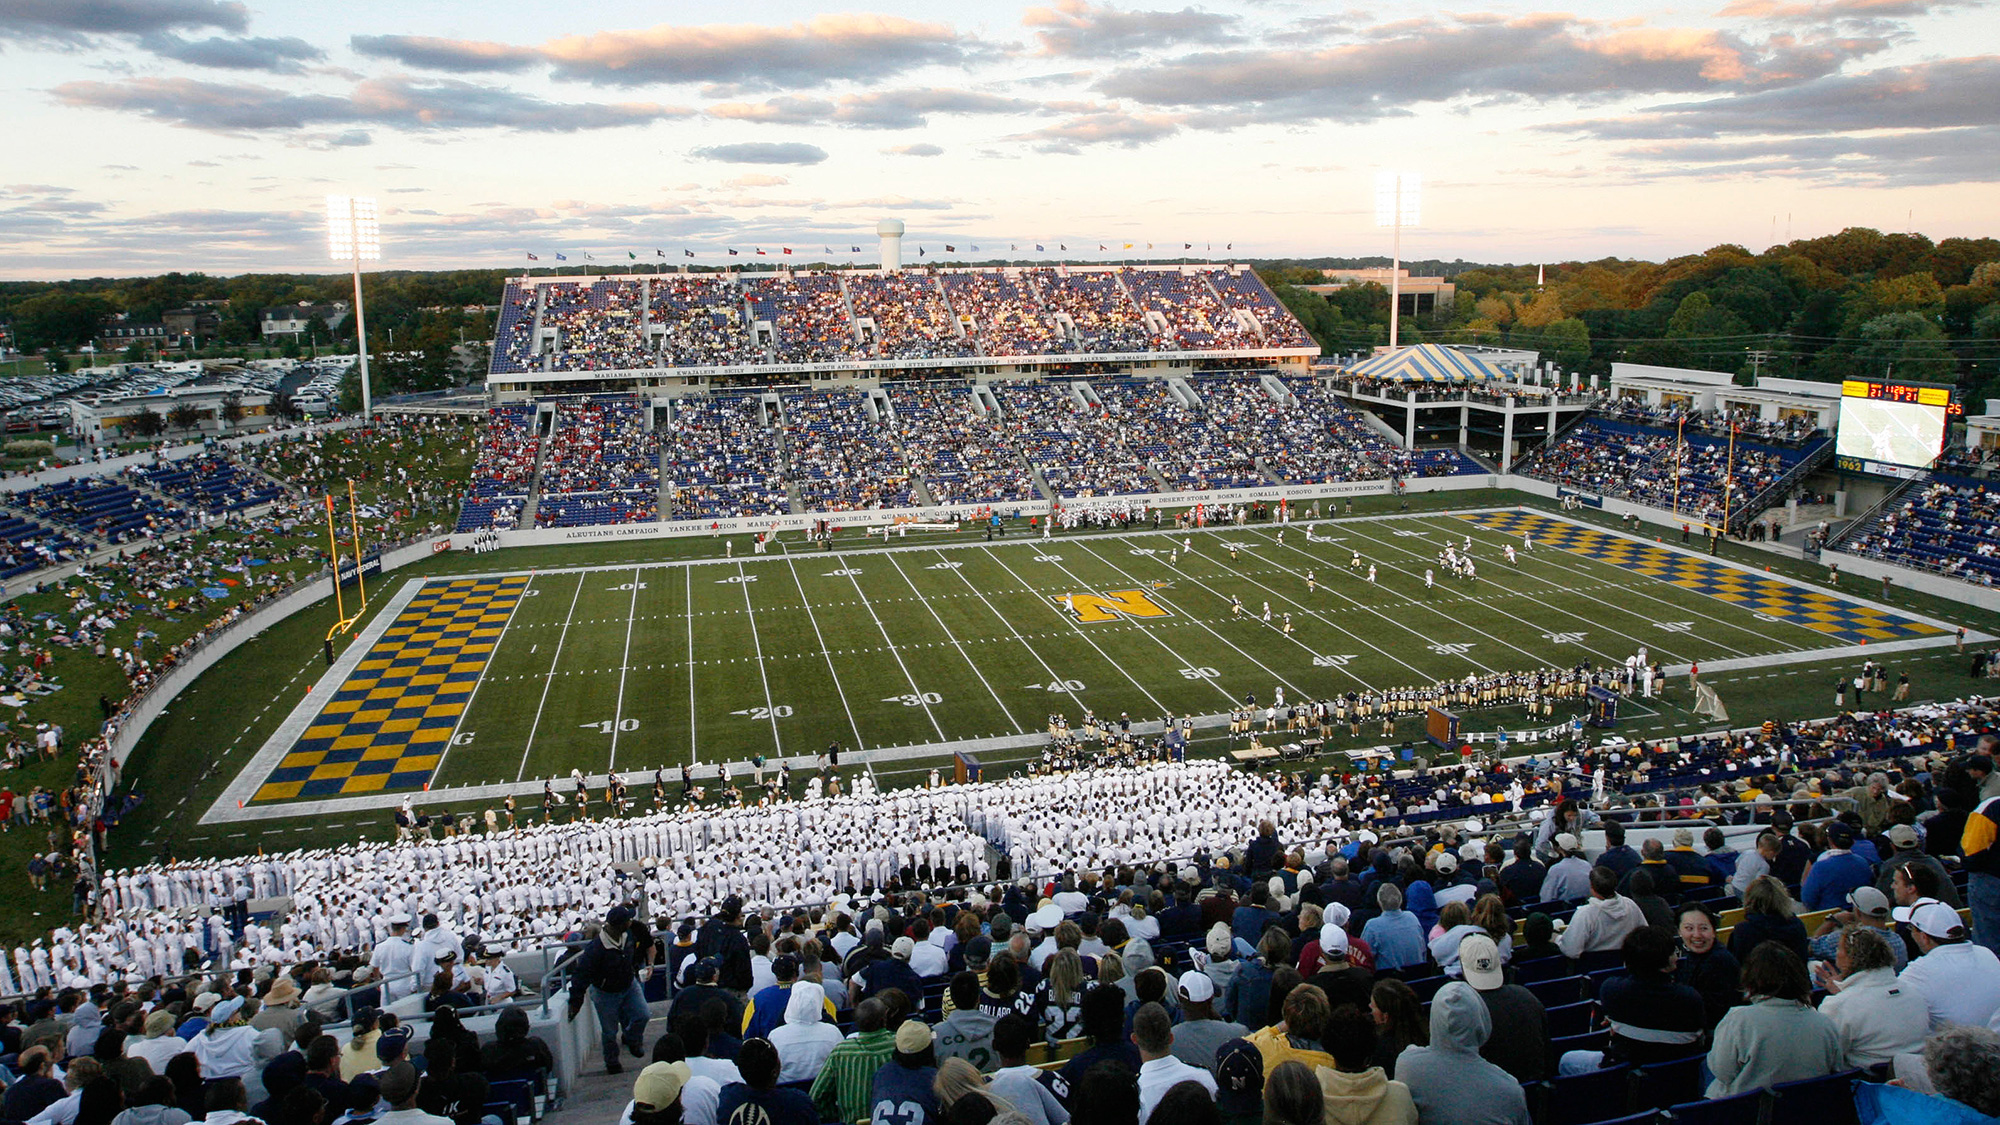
x=1398 y=204
x=353 y=235
x=891 y=231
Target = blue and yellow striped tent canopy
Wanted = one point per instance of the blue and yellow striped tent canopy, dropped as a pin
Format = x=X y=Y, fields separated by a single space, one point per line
x=1426 y=363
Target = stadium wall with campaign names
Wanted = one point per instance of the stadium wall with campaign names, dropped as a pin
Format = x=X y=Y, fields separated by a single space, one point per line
x=954 y=513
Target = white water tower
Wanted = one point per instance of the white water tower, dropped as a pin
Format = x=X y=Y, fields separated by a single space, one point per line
x=891 y=231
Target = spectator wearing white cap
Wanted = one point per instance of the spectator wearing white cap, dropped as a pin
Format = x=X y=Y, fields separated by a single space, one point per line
x=1908 y=849
x=393 y=960
x=1450 y=884
x=1959 y=981
x=892 y=971
x=1520 y=1043
x=1878 y=1016
x=1201 y=1033
x=1569 y=876
x=1866 y=906
x=1343 y=981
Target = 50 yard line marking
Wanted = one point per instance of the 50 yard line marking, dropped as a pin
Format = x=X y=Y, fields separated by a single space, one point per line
x=1078 y=628
x=624 y=666
x=770 y=710
x=549 y=680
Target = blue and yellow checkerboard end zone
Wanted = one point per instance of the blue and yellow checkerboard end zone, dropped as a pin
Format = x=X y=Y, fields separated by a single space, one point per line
x=387 y=725
x=1821 y=612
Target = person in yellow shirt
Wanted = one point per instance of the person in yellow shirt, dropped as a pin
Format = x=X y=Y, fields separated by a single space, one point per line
x=1296 y=1037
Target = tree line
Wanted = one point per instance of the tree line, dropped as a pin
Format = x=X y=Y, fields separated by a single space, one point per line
x=1857 y=303
x=1860 y=303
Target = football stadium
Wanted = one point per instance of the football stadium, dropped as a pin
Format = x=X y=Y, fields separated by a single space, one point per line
x=935 y=685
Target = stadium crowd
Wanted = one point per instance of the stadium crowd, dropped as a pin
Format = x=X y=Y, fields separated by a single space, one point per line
x=1141 y=929
x=911 y=318
x=1698 y=476
x=700 y=319
x=1951 y=525
x=841 y=459
x=707 y=319
x=723 y=458
x=956 y=447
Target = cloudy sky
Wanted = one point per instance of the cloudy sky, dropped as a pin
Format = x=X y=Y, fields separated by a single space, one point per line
x=204 y=134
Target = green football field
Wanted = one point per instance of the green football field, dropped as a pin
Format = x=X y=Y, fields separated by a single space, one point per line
x=495 y=681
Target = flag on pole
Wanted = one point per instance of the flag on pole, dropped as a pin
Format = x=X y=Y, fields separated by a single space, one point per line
x=1187 y=245
x=1039 y=247
x=533 y=258
x=950 y=249
x=561 y=257
x=1149 y=246
x=920 y=251
x=1229 y=246
x=762 y=253
x=787 y=249
x=1128 y=246
x=1012 y=246
x=659 y=253
x=688 y=253
x=974 y=249
x=854 y=249
x=631 y=255
x=826 y=249
x=734 y=252
x=1062 y=246
x=1102 y=246
x=589 y=257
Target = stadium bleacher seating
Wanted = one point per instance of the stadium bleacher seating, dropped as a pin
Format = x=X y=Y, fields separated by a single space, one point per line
x=504 y=472
x=102 y=507
x=957 y=449
x=909 y=313
x=723 y=459
x=1946 y=524
x=684 y=320
x=1646 y=464
x=212 y=484
x=839 y=457
x=601 y=466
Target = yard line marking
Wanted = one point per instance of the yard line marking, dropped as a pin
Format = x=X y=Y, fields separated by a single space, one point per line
x=1054 y=677
x=821 y=638
x=437 y=771
x=1150 y=635
x=870 y=606
x=1598 y=624
x=1078 y=630
x=953 y=637
x=1637 y=589
x=1538 y=659
x=1159 y=596
x=687 y=574
x=624 y=665
x=1311 y=612
x=549 y=680
x=770 y=710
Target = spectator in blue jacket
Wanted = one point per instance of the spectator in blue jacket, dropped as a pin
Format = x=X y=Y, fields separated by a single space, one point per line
x=1837 y=871
x=1394 y=934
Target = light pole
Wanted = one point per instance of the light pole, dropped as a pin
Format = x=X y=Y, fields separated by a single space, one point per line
x=1398 y=204
x=352 y=235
